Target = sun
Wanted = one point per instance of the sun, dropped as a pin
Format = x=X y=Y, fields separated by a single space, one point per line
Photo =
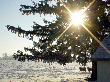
x=77 y=18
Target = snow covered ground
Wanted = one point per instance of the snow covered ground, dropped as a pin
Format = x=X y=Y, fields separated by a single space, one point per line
x=15 y=71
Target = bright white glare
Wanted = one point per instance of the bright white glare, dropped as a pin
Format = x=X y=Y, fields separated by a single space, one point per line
x=54 y=42
x=77 y=18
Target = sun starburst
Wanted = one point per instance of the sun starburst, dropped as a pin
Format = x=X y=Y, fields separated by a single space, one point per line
x=77 y=18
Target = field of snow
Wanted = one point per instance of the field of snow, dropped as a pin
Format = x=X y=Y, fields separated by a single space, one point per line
x=15 y=71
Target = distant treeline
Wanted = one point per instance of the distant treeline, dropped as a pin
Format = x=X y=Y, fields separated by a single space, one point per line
x=5 y=57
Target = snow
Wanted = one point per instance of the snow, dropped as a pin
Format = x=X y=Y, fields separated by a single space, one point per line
x=15 y=71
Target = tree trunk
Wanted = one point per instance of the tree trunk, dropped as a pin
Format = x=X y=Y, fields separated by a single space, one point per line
x=94 y=63
x=94 y=71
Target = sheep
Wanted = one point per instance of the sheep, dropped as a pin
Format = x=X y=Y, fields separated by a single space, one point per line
x=89 y=69
x=82 y=69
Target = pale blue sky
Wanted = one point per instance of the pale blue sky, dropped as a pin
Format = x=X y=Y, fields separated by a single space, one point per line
x=10 y=15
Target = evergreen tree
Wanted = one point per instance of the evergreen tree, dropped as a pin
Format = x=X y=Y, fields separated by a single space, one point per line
x=57 y=45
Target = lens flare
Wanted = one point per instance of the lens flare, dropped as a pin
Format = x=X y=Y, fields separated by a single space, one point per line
x=77 y=18
x=108 y=51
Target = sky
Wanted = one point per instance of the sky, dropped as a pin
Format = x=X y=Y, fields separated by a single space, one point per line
x=10 y=15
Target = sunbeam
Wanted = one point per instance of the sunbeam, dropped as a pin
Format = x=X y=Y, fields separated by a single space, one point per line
x=90 y=4
x=65 y=6
x=51 y=44
x=108 y=51
x=79 y=21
